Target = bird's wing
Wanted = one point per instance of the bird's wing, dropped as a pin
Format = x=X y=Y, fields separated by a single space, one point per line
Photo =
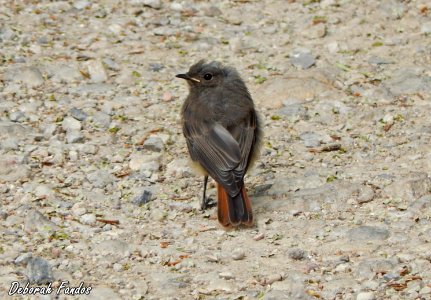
x=218 y=152
x=246 y=133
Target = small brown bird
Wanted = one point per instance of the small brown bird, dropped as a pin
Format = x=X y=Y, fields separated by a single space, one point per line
x=222 y=132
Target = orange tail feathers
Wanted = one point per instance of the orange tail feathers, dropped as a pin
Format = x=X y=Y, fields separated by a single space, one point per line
x=222 y=206
x=234 y=210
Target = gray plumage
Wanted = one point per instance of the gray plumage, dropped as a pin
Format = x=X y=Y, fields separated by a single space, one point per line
x=220 y=125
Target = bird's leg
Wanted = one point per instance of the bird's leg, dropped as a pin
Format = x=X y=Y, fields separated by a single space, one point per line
x=206 y=202
x=204 y=197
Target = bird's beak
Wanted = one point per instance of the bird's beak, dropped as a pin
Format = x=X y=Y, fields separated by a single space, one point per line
x=187 y=77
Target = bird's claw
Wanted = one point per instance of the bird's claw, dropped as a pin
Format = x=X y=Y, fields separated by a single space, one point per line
x=207 y=203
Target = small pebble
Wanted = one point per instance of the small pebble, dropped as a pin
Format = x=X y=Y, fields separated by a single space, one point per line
x=71 y=124
x=365 y=296
x=157 y=214
x=259 y=236
x=177 y=6
x=74 y=136
x=78 y=209
x=117 y=267
x=167 y=97
x=78 y=114
x=143 y=198
x=154 y=143
x=238 y=254
x=39 y=271
x=302 y=60
x=88 y=219
x=56 y=252
x=212 y=258
x=226 y=275
x=23 y=258
x=156 y=4
x=362 y=233
x=82 y=4
x=426 y=290
x=297 y=254
x=426 y=28
x=97 y=71
x=3 y=215
x=17 y=116
x=156 y=67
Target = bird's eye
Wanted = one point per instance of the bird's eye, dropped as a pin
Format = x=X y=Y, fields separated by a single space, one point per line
x=208 y=76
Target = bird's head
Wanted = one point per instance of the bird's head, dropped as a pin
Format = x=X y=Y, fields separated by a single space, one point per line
x=203 y=74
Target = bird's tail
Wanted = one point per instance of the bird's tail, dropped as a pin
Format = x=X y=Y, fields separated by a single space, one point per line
x=234 y=210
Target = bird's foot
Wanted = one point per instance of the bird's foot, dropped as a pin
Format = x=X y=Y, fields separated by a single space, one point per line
x=207 y=203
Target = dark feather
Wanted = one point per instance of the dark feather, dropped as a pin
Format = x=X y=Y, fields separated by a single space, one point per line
x=222 y=132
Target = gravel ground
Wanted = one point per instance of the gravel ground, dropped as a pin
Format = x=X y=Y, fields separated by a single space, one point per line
x=95 y=185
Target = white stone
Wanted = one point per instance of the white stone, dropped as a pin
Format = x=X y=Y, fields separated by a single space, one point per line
x=97 y=71
x=71 y=124
x=88 y=219
x=139 y=161
x=365 y=296
x=333 y=47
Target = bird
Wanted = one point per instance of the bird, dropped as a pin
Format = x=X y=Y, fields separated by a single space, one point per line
x=223 y=133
